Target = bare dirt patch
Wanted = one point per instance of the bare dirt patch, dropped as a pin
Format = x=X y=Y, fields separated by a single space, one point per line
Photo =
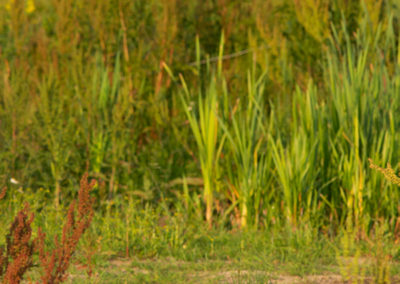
x=153 y=270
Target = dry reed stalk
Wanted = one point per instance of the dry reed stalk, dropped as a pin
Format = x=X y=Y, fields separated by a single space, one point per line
x=17 y=258
x=18 y=255
x=3 y=193
x=55 y=263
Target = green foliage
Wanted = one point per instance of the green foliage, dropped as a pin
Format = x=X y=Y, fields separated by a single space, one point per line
x=248 y=114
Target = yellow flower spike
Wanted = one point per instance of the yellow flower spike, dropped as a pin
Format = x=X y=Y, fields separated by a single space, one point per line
x=387 y=172
x=29 y=6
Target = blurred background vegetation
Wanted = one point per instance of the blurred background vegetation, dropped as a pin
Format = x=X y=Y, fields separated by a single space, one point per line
x=226 y=114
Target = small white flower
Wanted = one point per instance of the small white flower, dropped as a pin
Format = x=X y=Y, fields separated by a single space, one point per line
x=14 y=181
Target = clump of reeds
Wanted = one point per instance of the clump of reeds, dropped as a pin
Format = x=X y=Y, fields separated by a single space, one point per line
x=18 y=256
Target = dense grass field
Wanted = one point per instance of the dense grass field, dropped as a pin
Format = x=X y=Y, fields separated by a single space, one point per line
x=231 y=141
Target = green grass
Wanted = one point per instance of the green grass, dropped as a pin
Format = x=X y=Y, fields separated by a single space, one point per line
x=209 y=256
x=222 y=134
x=167 y=248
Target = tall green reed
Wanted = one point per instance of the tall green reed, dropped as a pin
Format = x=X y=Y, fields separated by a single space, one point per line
x=248 y=160
x=105 y=90
x=56 y=130
x=295 y=157
x=205 y=127
x=205 y=131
